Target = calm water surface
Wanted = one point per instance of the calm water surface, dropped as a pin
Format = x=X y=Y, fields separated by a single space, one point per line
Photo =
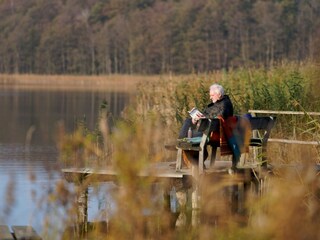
x=28 y=153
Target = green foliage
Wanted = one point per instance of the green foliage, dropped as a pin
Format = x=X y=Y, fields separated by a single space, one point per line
x=97 y=14
x=295 y=88
x=284 y=88
x=79 y=149
x=85 y=147
x=182 y=97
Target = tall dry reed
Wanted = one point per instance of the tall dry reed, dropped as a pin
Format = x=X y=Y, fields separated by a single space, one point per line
x=289 y=207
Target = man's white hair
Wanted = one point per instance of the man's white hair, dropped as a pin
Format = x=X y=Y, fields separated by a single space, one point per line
x=217 y=89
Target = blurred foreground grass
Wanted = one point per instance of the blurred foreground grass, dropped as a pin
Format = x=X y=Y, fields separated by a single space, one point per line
x=290 y=207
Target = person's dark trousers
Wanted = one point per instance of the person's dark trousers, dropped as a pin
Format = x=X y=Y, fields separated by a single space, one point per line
x=185 y=127
x=235 y=161
x=194 y=155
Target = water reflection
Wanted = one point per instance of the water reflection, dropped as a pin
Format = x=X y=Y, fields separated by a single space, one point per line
x=29 y=168
x=21 y=110
x=26 y=178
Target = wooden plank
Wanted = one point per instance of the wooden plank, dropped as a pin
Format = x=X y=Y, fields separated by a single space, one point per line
x=25 y=233
x=5 y=233
x=73 y=175
x=290 y=141
x=285 y=112
x=158 y=170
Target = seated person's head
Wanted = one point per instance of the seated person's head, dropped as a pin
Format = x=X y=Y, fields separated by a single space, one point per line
x=216 y=92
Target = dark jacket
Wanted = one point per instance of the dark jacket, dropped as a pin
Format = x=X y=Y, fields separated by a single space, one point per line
x=222 y=107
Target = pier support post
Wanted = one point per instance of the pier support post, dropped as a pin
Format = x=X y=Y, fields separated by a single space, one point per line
x=195 y=207
x=195 y=196
x=82 y=213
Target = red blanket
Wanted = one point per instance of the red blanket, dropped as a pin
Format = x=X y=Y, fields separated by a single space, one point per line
x=233 y=136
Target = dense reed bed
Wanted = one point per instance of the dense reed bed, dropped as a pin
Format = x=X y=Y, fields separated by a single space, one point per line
x=289 y=207
x=288 y=87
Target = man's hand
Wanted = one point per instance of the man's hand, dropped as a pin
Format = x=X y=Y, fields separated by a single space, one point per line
x=195 y=120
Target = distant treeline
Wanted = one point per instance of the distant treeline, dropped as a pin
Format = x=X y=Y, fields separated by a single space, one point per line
x=154 y=36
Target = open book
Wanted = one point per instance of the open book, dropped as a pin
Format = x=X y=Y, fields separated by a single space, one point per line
x=195 y=113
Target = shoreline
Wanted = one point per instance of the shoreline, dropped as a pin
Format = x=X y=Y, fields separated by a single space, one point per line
x=125 y=83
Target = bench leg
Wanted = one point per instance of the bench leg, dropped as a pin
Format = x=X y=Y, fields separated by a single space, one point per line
x=201 y=161
x=178 y=161
x=212 y=155
x=243 y=159
x=264 y=163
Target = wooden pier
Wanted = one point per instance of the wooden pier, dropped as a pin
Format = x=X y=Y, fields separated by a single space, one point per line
x=190 y=180
x=186 y=187
x=252 y=173
x=166 y=174
x=18 y=233
x=156 y=171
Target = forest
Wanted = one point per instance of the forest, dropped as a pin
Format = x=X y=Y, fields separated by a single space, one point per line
x=91 y=37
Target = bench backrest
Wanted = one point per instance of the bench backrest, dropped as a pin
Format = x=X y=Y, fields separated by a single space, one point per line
x=263 y=123
x=260 y=126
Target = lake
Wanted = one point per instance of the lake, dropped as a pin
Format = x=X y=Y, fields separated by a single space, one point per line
x=29 y=165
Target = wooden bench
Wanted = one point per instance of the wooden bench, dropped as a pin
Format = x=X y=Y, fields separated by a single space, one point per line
x=18 y=233
x=260 y=127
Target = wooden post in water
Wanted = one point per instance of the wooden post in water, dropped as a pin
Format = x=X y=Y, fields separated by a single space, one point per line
x=82 y=213
x=182 y=201
x=195 y=196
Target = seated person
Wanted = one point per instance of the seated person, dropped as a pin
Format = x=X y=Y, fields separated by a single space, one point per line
x=221 y=106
